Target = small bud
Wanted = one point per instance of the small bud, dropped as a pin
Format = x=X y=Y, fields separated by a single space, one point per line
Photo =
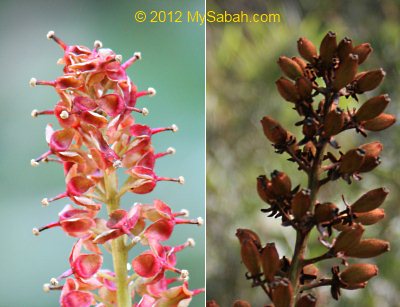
x=191 y=242
x=174 y=128
x=345 y=47
x=35 y=231
x=264 y=188
x=34 y=113
x=282 y=294
x=290 y=68
x=327 y=49
x=369 y=81
x=241 y=303
x=380 y=122
x=372 y=108
x=34 y=163
x=304 y=87
x=363 y=51
x=181 y=180
x=273 y=130
x=280 y=183
x=370 y=200
x=145 y=112
x=351 y=161
x=50 y=34
x=248 y=234
x=370 y=217
x=287 y=90
x=301 y=203
x=152 y=92
x=348 y=238
x=334 y=122
x=300 y=62
x=324 y=212
x=45 y=202
x=270 y=261
x=97 y=44
x=346 y=72
x=32 y=82
x=250 y=257
x=306 y=49
x=358 y=273
x=307 y=301
x=368 y=248
x=64 y=114
x=46 y=288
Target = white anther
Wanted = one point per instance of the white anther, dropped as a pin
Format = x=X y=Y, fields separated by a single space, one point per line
x=118 y=58
x=117 y=164
x=138 y=55
x=181 y=180
x=90 y=156
x=45 y=202
x=136 y=239
x=151 y=91
x=97 y=44
x=200 y=221
x=50 y=34
x=174 y=128
x=64 y=114
x=46 y=288
x=54 y=281
x=191 y=242
x=171 y=150
x=145 y=112
x=128 y=266
x=34 y=113
x=184 y=275
x=34 y=163
x=32 y=82
x=185 y=212
x=35 y=231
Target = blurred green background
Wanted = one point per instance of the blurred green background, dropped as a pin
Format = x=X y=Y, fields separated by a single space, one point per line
x=241 y=74
x=173 y=63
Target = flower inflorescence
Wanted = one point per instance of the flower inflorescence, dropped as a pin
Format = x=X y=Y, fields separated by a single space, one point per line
x=98 y=135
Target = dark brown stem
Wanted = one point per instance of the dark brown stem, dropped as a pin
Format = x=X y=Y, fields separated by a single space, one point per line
x=320 y=283
x=325 y=256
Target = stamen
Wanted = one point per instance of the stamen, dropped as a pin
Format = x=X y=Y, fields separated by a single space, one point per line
x=35 y=231
x=128 y=266
x=41 y=158
x=46 y=288
x=145 y=112
x=44 y=82
x=45 y=202
x=136 y=239
x=34 y=163
x=117 y=164
x=200 y=221
x=174 y=128
x=169 y=151
x=97 y=44
x=64 y=114
x=184 y=275
x=129 y=62
x=32 y=82
x=191 y=242
x=151 y=91
x=54 y=281
x=185 y=212
x=181 y=180
x=34 y=113
x=51 y=35
x=118 y=58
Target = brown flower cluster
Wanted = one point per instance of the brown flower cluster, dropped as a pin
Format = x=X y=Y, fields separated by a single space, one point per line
x=313 y=85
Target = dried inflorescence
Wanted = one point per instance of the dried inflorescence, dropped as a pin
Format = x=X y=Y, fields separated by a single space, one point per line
x=98 y=135
x=313 y=85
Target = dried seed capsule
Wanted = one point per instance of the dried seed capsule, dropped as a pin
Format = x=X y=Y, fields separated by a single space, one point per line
x=327 y=49
x=309 y=127
x=301 y=203
x=371 y=160
x=306 y=49
x=363 y=51
x=348 y=238
x=334 y=122
x=270 y=261
x=304 y=87
x=211 y=303
x=247 y=234
x=282 y=294
x=311 y=270
x=281 y=184
x=380 y=122
x=368 y=248
x=372 y=108
x=241 y=303
x=346 y=72
x=370 y=200
x=308 y=300
x=287 y=90
x=273 y=130
x=325 y=212
x=250 y=257
x=358 y=273
x=301 y=62
x=351 y=161
x=369 y=81
x=344 y=48
x=290 y=68
x=264 y=189
x=370 y=217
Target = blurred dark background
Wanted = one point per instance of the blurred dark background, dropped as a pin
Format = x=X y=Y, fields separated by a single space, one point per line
x=241 y=74
x=173 y=63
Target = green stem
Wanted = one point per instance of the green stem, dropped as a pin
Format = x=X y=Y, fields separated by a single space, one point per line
x=118 y=250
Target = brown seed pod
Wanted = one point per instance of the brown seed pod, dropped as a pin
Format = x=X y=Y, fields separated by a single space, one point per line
x=380 y=122
x=310 y=270
x=308 y=300
x=301 y=62
x=358 y=273
x=290 y=67
x=211 y=303
x=370 y=200
x=287 y=90
x=334 y=122
x=363 y=51
x=281 y=183
x=301 y=203
x=370 y=217
x=351 y=161
x=273 y=130
x=372 y=108
x=264 y=189
x=309 y=127
x=241 y=303
x=307 y=49
x=344 y=48
x=248 y=234
x=304 y=87
x=270 y=261
x=250 y=257
x=282 y=294
x=327 y=49
x=368 y=248
x=369 y=81
x=346 y=72
x=309 y=147
x=372 y=152
x=348 y=238
x=325 y=212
